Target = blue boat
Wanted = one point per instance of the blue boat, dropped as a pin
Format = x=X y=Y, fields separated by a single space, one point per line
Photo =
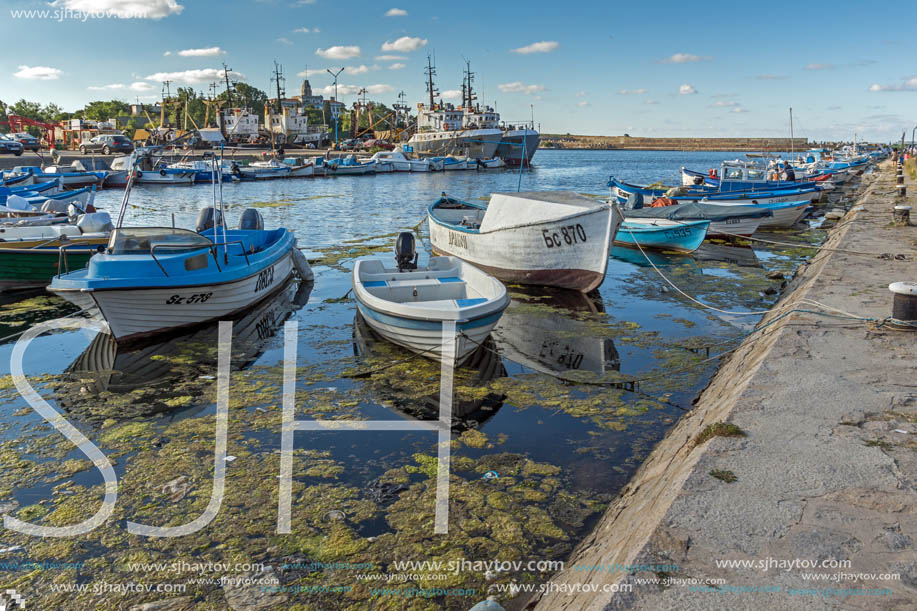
x=14 y=180
x=684 y=237
x=74 y=178
x=155 y=279
x=621 y=191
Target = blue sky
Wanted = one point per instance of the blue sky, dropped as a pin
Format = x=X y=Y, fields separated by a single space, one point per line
x=646 y=68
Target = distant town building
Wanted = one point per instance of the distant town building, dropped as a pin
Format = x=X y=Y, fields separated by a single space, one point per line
x=335 y=106
x=137 y=110
x=290 y=122
x=306 y=97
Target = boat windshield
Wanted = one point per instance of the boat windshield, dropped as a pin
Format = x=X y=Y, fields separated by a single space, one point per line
x=142 y=240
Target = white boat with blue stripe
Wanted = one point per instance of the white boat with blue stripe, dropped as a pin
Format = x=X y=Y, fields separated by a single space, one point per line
x=416 y=307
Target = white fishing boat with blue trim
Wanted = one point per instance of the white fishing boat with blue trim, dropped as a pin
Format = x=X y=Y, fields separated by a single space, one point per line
x=412 y=305
x=547 y=238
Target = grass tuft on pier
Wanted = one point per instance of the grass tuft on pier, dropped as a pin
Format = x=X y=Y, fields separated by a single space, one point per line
x=718 y=429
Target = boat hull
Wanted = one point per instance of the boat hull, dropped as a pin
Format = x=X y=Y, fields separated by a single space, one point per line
x=783 y=216
x=522 y=254
x=22 y=268
x=133 y=313
x=477 y=143
x=731 y=227
x=686 y=237
x=426 y=337
x=517 y=147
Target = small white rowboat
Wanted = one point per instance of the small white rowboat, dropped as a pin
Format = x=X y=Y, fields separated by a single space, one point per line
x=412 y=306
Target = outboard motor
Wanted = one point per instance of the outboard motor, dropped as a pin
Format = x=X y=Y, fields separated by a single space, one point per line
x=405 y=252
x=634 y=201
x=207 y=219
x=251 y=219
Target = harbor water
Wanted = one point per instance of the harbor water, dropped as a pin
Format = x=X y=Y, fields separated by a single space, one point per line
x=553 y=414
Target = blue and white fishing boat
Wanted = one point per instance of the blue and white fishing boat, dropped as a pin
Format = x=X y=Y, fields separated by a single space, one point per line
x=349 y=165
x=45 y=188
x=743 y=176
x=411 y=305
x=451 y=164
x=785 y=214
x=68 y=178
x=155 y=279
x=17 y=180
x=621 y=191
x=684 y=237
x=728 y=221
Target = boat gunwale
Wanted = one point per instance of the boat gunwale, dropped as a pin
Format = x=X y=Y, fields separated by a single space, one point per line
x=602 y=207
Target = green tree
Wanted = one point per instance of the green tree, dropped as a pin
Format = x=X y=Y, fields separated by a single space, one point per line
x=24 y=108
x=3 y=115
x=246 y=96
x=101 y=110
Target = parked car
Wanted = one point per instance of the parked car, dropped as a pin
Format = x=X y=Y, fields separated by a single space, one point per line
x=385 y=145
x=350 y=144
x=107 y=144
x=28 y=141
x=10 y=146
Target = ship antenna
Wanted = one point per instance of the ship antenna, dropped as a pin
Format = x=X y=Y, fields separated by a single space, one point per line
x=431 y=72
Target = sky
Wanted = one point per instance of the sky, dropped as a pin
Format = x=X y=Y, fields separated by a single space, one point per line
x=710 y=69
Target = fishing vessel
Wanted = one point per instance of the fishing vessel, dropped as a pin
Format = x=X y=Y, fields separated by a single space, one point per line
x=686 y=237
x=444 y=129
x=154 y=279
x=518 y=144
x=399 y=162
x=349 y=166
x=413 y=306
x=76 y=176
x=726 y=221
x=549 y=238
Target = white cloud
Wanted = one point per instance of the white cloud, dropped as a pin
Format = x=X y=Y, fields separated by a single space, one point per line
x=725 y=104
x=339 y=52
x=396 y=12
x=125 y=9
x=405 y=44
x=819 y=67
x=138 y=86
x=738 y=109
x=311 y=72
x=304 y=30
x=106 y=87
x=451 y=94
x=397 y=66
x=389 y=58
x=284 y=41
x=632 y=92
x=545 y=46
x=141 y=86
x=908 y=85
x=582 y=104
x=193 y=77
x=520 y=87
x=355 y=89
x=38 y=73
x=361 y=69
x=651 y=102
x=167 y=54
x=686 y=89
x=685 y=58
x=207 y=52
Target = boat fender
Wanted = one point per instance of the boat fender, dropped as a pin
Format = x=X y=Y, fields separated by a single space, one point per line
x=209 y=217
x=301 y=263
x=162 y=172
x=138 y=174
x=94 y=222
x=251 y=219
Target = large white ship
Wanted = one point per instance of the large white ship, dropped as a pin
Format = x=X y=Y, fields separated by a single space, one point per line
x=468 y=130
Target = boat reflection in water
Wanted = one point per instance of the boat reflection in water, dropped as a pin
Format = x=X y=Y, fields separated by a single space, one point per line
x=546 y=331
x=483 y=365
x=121 y=381
x=742 y=256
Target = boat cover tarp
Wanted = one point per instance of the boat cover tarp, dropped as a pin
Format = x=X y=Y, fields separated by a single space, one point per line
x=512 y=209
x=699 y=212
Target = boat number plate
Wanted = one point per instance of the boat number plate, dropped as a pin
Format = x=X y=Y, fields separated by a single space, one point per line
x=569 y=235
x=195 y=298
x=678 y=232
x=265 y=279
x=458 y=239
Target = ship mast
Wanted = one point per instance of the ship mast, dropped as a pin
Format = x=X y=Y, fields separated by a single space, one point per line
x=278 y=79
x=431 y=88
x=466 y=86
